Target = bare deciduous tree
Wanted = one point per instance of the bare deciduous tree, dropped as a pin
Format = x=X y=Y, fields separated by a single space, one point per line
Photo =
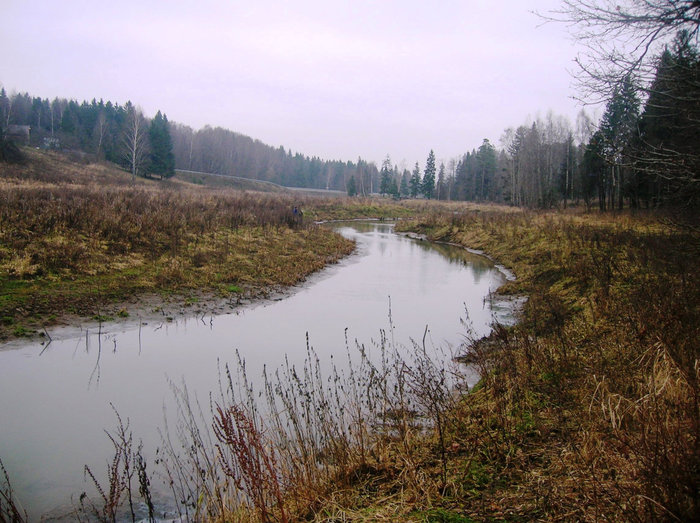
x=622 y=38
x=99 y=132
x=135 y=140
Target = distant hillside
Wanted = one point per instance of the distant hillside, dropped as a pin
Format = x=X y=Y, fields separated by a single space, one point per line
x=99 y=129
x=55 y=167
x=223 y=180
x=221 y=151
x=67 y=168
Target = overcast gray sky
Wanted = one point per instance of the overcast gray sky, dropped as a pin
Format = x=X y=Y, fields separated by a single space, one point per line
x=322 y=77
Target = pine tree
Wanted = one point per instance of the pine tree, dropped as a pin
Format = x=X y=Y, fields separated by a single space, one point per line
x=428 y=185
x=162 y=158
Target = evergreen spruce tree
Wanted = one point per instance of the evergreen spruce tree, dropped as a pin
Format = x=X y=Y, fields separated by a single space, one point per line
x=352 y=186
x=594 y=170
x=68 y=118
x=385 y=177
x=4 y=109
x=162 y=158
x=394 y=184
x=404 y=189
x=394 y=188
x=486 y=165
x=669 y=156
x=428 y=185
x=619 y=129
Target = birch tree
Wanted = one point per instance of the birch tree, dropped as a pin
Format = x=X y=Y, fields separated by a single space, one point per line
x=99 y=132
x=135 y=140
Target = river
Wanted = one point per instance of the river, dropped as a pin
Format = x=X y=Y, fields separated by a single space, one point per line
x=55 y=399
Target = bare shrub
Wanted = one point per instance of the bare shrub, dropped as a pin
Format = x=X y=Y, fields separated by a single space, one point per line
x=11 y=510
x=121 y=484
x=246 y=458
x=313 y=435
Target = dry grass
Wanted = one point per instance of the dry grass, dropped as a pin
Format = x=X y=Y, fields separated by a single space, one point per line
x=11 y=510
x=81 y=239
x=371 y=439
x=589 y=408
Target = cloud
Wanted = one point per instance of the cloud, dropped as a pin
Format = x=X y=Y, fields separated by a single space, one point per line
x=334 y=78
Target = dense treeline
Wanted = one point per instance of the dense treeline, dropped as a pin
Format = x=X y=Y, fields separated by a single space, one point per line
x=121 y=134
x=112 y=132
x=643 y=152
x=539 y=166
x=218 y=150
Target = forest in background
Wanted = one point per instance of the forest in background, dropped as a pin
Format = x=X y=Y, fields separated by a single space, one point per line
x=121 y=134
x=642 y=152
x=587 y=409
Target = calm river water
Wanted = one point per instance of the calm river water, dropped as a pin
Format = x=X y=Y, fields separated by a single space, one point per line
x=55 y=400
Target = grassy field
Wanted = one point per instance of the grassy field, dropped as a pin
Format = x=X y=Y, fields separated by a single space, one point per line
x=215 y=180
x=587 y=410
x=81 y=239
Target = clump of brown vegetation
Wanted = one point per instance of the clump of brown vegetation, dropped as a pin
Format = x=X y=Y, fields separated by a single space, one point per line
x=588 y=409
x=312 y=445
x=127 y=470
x=79 y=238
x=585 y=410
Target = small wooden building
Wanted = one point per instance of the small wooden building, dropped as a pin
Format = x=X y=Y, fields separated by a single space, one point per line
x=18 y=133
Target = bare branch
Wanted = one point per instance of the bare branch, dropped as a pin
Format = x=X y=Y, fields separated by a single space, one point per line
x=622 y=38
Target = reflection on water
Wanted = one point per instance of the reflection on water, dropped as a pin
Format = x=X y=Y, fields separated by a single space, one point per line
x=55 y=400
x=478 y=265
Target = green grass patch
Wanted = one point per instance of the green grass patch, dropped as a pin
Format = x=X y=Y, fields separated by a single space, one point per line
x=86 y=250
x=20 y=331
x=440 y=515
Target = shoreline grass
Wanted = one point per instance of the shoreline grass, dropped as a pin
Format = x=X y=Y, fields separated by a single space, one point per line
x=587 y=409
x=80 y=240
x=75 y=239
